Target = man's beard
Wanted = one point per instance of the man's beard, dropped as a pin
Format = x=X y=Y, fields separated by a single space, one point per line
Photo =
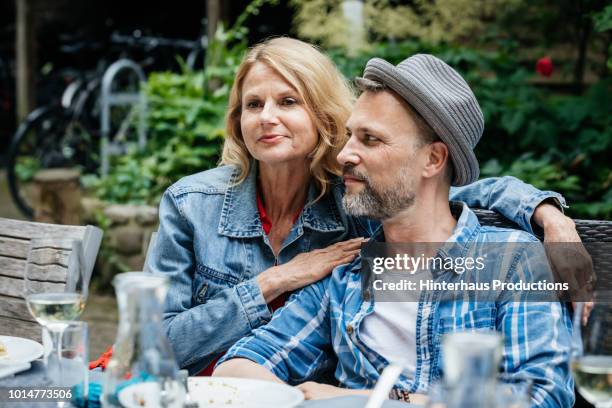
x=378 y=202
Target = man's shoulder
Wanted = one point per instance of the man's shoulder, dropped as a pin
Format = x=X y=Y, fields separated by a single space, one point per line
x=514 y=256
x=505 y=243
x=345 y=277
x=502 y=235
x=341 y=272
x=212 y=181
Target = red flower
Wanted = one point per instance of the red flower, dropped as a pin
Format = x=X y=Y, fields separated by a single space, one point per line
x=544 y=66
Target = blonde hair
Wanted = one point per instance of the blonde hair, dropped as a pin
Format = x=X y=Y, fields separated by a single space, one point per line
x=326 y=95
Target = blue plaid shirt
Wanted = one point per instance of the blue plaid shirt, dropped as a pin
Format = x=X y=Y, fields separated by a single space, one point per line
x=324 y=319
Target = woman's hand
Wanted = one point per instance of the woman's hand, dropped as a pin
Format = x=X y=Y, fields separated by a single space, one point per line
x=306 y=268
x=568 y=258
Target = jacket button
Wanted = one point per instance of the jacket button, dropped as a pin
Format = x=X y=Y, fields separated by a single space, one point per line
x=202 y=292
x=349 y=329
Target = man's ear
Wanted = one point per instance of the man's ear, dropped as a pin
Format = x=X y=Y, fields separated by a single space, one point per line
x=436 y=160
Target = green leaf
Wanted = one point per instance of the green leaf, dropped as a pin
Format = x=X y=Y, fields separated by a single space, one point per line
x=603 y=19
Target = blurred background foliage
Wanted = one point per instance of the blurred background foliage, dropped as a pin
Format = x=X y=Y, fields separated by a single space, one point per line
x=552 y=129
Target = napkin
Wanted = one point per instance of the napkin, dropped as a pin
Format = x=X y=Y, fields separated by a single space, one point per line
x=93 y=397
x=95 y=391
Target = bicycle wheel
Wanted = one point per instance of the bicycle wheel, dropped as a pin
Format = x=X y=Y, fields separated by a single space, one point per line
x=87 y=107
x=48 y=138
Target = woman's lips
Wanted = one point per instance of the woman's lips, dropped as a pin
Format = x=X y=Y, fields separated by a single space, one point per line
x=271 y=139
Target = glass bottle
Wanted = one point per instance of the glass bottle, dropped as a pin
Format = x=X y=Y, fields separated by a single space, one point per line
x=471 y=362
x=142 y=352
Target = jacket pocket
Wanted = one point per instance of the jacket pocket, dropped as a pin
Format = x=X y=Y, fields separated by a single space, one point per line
x=209 y=282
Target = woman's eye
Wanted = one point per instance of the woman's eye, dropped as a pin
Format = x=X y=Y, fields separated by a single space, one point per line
x=252 y=104
x=289 y=101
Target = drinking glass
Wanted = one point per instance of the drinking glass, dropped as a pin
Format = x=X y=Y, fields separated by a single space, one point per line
x=592 y=354
x=74 y=362
x=513 y=391
x=470 y=363
x=509 y=392
x=55 y=290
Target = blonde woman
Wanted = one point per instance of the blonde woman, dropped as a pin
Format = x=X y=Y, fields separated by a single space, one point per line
x=236 y=239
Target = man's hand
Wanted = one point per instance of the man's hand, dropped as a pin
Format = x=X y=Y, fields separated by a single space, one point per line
x=568 y=258
x=313 y=390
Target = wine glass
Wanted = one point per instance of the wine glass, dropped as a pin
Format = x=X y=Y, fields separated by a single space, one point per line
x=592 y=354
x=55 y=290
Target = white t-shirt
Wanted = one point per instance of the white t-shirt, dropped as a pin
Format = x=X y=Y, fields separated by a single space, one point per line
x=390 y=330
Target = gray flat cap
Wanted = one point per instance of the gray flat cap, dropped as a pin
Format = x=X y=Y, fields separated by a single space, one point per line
x=445 y=101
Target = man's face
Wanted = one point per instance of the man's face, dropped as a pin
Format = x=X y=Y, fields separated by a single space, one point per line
x=381 y=158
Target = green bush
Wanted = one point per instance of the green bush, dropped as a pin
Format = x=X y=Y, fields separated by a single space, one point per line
x=184 y=134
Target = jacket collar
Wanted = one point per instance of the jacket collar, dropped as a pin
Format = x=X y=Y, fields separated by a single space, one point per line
x=325 y=215
x=240 y=217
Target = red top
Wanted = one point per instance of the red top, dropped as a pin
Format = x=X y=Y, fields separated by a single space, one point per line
x=266 y=223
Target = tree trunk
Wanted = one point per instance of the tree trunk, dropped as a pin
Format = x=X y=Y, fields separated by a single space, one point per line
x=583 y=28
x=25 y=50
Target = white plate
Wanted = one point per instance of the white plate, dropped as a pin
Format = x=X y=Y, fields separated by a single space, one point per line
x=217 y=392
x=20 y=350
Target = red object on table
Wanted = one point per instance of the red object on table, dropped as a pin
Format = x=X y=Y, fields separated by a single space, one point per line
x=102 y=361
x=266 y=223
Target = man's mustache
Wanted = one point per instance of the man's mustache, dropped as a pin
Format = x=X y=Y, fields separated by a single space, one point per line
x=349 y=170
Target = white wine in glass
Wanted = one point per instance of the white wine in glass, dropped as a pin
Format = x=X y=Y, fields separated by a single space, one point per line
x=55 y=290
x=55 y=308
x=592 y=355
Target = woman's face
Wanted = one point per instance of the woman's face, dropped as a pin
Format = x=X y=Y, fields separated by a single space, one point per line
x=276 y=125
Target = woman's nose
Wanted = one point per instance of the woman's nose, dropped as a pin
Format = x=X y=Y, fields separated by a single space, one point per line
x=268 y=113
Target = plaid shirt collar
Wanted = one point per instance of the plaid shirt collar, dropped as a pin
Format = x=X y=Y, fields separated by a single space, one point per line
x=456 y=245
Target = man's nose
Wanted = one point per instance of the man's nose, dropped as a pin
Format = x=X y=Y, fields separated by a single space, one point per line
x=348 y=154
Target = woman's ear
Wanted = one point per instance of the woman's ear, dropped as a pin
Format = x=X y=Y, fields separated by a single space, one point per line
x=437 y=159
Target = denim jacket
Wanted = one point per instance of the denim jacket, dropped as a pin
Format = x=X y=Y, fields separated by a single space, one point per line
x=212 y=246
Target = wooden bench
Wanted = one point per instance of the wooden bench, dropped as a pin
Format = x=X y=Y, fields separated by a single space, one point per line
x=15 y=319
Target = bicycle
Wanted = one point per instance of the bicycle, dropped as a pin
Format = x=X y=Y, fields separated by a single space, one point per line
x=66 y=133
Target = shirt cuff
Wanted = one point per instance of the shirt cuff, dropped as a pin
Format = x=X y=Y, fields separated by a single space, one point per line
x=238 y=351
x=253 y=302
x=531 y=203
x=242 y=353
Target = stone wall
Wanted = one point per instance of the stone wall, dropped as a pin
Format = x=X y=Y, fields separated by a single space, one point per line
x=127 y=233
